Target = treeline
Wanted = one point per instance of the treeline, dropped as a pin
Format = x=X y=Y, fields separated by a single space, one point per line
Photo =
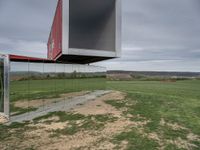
x=161 y=78
x=157 y=73
x=50 y=76
x=138 y=77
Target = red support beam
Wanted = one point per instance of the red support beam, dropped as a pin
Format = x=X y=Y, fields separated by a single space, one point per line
x=29 y=59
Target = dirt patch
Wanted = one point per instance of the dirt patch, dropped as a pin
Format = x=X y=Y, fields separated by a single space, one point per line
x=182 y=144
x=97 y=107
x=193 y=137
x=51 y=119
x=115 y=95
x=174 y=126
x=89 y=139
x=41 y=102
x=3 y=119
x=50 y=126
x=140 y=123
x=154 y=136
x=100 y=107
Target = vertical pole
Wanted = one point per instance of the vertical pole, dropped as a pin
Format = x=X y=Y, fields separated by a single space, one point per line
x=6 y=85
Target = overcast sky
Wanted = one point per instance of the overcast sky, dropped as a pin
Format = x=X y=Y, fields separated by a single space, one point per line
x=157 y=34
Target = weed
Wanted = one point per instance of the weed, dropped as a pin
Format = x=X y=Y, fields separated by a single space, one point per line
x=117 y=104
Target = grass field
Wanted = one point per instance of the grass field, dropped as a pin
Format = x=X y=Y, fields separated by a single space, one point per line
x=164 y=115
x=38 y=89
x=177 y=103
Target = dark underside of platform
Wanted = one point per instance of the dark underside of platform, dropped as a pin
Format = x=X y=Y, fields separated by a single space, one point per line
x=80 y=59
x=73 y=59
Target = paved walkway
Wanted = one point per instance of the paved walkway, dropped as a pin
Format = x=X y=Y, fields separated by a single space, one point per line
x=64 y=105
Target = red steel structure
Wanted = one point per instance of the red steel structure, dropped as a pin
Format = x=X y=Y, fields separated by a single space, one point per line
x=18 y=58
x=55 y=38
x=85 y=31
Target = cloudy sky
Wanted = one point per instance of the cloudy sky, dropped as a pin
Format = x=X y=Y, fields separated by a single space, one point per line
x=157 y=34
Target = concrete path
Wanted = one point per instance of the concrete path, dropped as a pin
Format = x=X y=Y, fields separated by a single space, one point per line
x=64 y=105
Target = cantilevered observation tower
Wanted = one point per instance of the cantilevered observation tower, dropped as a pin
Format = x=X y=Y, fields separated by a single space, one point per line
x=83 y=32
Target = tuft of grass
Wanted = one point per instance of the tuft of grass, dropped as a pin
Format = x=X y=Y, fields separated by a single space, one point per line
x=117 y=104
x=172 y=147
x=171 y=134
x=63 y=116
x=197 y=143
x=19 y=111
x=66 y=131
x=19 y=129
x=15 y=125
x=103 y=118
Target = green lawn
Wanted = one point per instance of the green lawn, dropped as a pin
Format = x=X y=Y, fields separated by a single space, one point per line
x=174 y=102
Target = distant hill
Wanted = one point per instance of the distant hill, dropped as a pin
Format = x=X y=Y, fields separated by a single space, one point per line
x=156 y=73
x=111 y=75
x=33 y=75
x=151 y=75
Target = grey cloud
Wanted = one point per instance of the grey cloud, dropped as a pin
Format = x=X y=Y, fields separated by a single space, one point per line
x=26 y=19
x=162 y=23
x=162 y=30
x=157 y=34
x=159 y=54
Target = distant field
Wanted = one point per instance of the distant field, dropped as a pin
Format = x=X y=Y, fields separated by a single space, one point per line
x=186 y=89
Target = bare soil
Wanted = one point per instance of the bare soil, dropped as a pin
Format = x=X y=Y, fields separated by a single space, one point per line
x=174 y=126
x=3 y=119
x=90 y=139
x=98 y=106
